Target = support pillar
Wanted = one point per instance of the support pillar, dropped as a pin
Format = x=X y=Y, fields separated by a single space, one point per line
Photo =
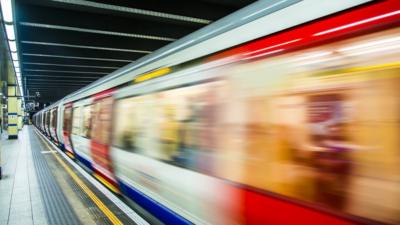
x=12 y=106
x=19 y=111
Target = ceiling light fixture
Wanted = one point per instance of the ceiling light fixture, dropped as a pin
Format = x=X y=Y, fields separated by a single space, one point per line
x=16 y=64
x=14 y=56
x=13 y=45
x=10 y=31
x=6 y=9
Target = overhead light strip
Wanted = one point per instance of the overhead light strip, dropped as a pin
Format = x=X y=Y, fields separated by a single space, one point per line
x=76 y=57
x=69 y=65
x=86 y=30
x=6 y=10
x=136 y=11
x=8 y=18
x=85 y=46
x=64 y=71
x=10 y=31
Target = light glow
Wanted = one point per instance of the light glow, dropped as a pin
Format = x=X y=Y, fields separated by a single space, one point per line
x=13 y=45
x=152 y=75
x=14 y=56
x=357 y=23
x=10 y=31
x=16 y=64
x=17 y=70
x=6 y=10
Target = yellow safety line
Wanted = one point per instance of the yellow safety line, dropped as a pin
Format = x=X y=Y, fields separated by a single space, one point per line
x=85 y=188
x=106 y=183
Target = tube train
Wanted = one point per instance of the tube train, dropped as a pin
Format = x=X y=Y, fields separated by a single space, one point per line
x=262 y=123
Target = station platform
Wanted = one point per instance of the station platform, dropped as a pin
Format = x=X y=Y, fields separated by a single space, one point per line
x=40 y=185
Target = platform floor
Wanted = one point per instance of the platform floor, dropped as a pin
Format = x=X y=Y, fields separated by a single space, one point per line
x=40 y=186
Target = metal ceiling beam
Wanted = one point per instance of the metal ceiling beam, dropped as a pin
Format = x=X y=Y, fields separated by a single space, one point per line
x=86 y=53
x=85 y=47
x=65 y=71
x=46 y=81
x=34 y=59
x=137 y=11
x=93 y=31
x=68 y=65
x=76 y=57
x=100 y=20
x=55 y=76
x=38 y=34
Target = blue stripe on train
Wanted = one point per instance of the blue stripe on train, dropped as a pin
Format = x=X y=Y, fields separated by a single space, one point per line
x=163 y=213
x=84 y=161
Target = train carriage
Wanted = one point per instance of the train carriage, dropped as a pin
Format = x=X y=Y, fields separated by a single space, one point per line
x=298 y=126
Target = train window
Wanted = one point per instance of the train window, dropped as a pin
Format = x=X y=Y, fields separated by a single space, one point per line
x=173 y=126
x=76 y=121
x=67 y=119
x=124 y=131
x=101 y=120
x=53 y=118
x=86 y=121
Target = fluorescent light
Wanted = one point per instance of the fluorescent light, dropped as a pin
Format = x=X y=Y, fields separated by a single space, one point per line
x=13 y=45
x=14 y=56
x=18 y=74
x=6 y=9
x=10 y=31
x=18 y=70
x=16 y=64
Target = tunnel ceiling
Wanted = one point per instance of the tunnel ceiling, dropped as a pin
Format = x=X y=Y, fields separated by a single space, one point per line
x=67 y=44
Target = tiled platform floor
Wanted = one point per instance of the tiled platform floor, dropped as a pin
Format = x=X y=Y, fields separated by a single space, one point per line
x=20 y=201
x=36 y=189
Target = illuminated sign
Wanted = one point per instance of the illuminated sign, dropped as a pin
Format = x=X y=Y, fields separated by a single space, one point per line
x=151 y=75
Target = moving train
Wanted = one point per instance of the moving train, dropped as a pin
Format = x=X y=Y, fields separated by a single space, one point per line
x=288 y=115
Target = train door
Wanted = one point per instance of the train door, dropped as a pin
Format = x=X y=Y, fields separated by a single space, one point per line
x=100 y=138
x=48 y=120
x=45 y=123
x=67 y=130
x=53 y=127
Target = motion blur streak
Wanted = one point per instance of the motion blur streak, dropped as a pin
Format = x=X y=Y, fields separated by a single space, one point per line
x=292 y=128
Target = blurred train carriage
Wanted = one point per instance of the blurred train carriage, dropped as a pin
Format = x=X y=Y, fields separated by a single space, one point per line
x=301 y=126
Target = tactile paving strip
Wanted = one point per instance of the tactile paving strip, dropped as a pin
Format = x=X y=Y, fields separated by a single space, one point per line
x=58 y=209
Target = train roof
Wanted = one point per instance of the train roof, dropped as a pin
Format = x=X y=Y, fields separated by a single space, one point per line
x=254 y=21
